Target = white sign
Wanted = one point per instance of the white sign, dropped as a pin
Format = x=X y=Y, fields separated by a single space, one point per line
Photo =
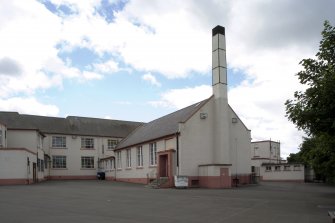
x=181 y=181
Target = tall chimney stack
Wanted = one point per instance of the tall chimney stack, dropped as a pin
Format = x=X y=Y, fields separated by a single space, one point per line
x=219 y=64
x=221 y=131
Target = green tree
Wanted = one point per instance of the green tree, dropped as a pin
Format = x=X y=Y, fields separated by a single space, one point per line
x=313 y=110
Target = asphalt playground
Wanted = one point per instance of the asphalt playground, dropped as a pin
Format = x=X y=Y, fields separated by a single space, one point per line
x=106 y=201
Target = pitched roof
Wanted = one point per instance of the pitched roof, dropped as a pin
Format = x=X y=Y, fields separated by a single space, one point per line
x=71 y=125
x=164 y=126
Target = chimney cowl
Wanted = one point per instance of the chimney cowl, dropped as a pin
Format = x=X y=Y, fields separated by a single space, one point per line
x=218 y=30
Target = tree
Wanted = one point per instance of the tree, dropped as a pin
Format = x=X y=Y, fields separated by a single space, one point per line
x=313 y=110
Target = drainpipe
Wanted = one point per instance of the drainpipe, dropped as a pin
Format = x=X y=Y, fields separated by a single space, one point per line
x=114 y=168
x=177 y=147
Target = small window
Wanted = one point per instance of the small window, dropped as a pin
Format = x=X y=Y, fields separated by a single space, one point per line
x=268 y=168
x=58 y=142
x=277 y=168
x=87 y=162
x=256 y=151
x=287 y=168
x=87 y=143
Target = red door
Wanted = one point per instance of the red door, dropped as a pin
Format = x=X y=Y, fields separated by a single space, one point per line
x=225 y=178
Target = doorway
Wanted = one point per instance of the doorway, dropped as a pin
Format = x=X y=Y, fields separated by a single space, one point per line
x=34 y=173
x=163 y=166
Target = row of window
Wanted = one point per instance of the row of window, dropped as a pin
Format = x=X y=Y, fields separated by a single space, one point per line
x=86 y=142
x=286 y=168
x=139 y=156
x=59 y=162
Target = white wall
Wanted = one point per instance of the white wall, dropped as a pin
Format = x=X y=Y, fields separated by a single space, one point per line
x=289 y=174
x=74 y=152
x=13 y=164
x=146 y=170
x=268 y=151
x=196 y=141
x=239 y=146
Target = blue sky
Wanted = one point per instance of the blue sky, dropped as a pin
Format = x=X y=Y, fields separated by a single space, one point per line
x=138 y=60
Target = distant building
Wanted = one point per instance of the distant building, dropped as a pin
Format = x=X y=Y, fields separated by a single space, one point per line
x=40 y=148
x=268 y=165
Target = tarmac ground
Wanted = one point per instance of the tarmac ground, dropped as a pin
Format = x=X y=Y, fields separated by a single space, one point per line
x=106 y=201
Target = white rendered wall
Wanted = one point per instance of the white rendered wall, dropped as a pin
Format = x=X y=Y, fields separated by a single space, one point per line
x=74 y=152
x=239 y=146
x=283 y=175
x=13 y=164
x=196 y=141
x=147 y=170
x=23 y=139
x=268 y=151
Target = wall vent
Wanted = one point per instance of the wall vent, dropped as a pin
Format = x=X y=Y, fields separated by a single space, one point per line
x=203 y=115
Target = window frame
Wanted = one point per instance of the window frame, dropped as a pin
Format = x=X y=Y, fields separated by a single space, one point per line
x=128 y=158
x=112 y=143
x=118 y=160
x=139 y=156
x=87 y=162
x=268 y=168
x=62 y=163
x=1 y=138
x=61 y=145
x=153 y=154
x=87 y=143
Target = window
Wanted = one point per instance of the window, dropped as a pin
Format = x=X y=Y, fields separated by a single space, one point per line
x=58 y=142
x=128 y=158
x=139 y=154
x=296 y=168
x=112 y=165
x=287 y=168
x=118 y=160
x=87 y=143
x=1 y=138
x=39 y=141
x=268 y=168
x=58 y=162
x=111 y=143
x=277 y=168
x=46 y=162
x=153 y=154
x=42 y=165
x=87 y=162
x=256 y=152
x=38 y=165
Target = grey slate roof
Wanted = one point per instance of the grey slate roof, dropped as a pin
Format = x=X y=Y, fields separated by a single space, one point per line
x=164 y=126
x=70 y=125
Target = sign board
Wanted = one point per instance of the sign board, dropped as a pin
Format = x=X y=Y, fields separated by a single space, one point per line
x=181 y=181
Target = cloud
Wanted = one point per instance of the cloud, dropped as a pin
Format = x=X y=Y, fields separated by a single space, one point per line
x=180 y=98
x=9 y=66
x=151 y=79
x=109 y=66
x=265 y=42
x=28 y=105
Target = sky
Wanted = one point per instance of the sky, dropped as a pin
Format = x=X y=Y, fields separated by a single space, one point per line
x=138 y=60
